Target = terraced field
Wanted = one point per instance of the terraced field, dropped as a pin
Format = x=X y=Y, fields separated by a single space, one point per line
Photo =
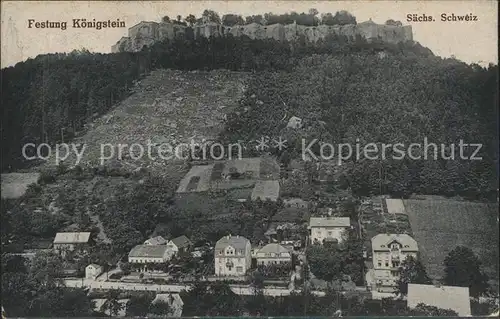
x=439 y=225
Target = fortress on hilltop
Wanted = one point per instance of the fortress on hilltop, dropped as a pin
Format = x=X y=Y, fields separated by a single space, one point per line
x=147 y=33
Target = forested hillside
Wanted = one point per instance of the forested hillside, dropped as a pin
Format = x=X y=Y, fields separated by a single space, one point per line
x=374 y=92
x=384 y=98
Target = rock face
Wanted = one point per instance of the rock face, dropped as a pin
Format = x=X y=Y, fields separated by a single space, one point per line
x=147 y=33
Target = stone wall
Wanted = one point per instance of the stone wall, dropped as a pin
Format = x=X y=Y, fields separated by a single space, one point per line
x=147 y=33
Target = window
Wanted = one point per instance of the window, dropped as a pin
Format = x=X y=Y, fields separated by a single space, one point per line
x=386 y=263
x=329 y=233
x=239 y=269
x=379 y=264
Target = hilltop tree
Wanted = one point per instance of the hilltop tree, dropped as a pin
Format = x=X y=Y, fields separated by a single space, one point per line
x=165 y=19
x=211 y=16
x=343 y=17
x=463 y=268
x=254 y=19
x=411 y=272
x=393 y=22
x=190 y=19
x=313 y=11
x=232 y=20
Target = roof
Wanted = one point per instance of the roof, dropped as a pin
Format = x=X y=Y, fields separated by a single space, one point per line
x=238 y=242
x=381 y=241
x=14 y=185
x=169 y=299
x=152 y=251
x=158 y=240
x=395 y=206
x=273 y=248
x=444 y=297
x=72 y=238
x=266 y=190
x=94 y=265
x=181 y=241
x=329 y=222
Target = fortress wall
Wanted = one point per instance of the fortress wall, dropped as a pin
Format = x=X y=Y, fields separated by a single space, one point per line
x=144 y=29
x=275 y=31
x=408 y=33
x=165 y=31
x=146 y=33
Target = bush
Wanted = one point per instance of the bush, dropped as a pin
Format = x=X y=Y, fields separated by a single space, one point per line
x=48 y=176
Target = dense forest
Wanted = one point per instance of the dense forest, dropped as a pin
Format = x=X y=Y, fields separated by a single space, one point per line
x=372 y=92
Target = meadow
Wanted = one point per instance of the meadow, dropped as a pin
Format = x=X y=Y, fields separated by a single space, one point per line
x=439 y=225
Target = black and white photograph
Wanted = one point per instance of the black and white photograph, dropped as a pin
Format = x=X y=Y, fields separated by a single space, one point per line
x=167 y=159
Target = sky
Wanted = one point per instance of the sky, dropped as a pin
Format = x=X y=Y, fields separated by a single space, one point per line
x=471 y=42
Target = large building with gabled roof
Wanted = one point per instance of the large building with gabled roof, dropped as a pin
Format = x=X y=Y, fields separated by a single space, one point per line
x=233 y=256
x=388 y=252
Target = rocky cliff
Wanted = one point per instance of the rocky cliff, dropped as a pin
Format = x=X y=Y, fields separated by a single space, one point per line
x=147 y=33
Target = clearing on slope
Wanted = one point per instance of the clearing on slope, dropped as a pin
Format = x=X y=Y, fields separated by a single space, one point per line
x=167 y=107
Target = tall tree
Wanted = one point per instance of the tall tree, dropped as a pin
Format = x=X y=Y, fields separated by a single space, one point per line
x=411 y=271
x=112 y=304
x=139 y=305
x=463 y=268
x=161 y=308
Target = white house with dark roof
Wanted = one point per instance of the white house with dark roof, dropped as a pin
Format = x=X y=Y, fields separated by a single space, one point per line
x=71 y=241
x=444 y=297
x=93 y=271
x=158 y=240
x=388 y=252
x=273 y=254
x=233 y=256
x=328 y=228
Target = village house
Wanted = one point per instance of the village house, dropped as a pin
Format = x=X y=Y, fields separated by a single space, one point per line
x=273 y=254
x=328 y=228
x=232 y=256
x=388 y=252
x=174 y=302
x=444 y=297
x=143 y=257
x=66 y=242
x=178 y=245
x=158 y=240
x=93 y=271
